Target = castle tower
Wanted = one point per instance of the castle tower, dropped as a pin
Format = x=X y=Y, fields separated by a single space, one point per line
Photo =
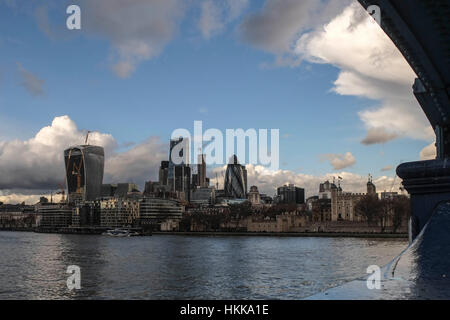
x=371 y=189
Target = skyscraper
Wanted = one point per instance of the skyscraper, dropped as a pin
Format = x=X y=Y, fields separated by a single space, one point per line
x=163 y=173
x=179 y=171
x=84 y=172
x=183 y=180
x=201 y=167
x=235 y=179
x=179 y=150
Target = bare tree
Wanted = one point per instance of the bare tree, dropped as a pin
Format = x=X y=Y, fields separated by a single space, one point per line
x=401 y=210
x=369 y=207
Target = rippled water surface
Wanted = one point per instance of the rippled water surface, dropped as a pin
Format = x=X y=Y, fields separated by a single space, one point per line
x=33 y=266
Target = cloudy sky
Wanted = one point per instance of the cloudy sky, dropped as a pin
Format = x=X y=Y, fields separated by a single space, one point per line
x=322 y=72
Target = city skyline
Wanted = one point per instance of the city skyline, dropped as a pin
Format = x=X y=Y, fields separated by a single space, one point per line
x=234 y=185
x=206 y=151
x=335 y=119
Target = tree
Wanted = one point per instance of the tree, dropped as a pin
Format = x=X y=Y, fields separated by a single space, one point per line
x=242 y=210
x=401 y=210
x=384 y=213
x=369 y=207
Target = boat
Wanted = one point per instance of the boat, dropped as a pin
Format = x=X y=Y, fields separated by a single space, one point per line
x=120 y=233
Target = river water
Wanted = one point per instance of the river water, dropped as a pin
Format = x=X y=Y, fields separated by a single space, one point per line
x=33 y=265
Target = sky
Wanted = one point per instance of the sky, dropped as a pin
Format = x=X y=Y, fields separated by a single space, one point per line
x=322 y=72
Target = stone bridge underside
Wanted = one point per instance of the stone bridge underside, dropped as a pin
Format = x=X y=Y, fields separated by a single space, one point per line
x=421 y=31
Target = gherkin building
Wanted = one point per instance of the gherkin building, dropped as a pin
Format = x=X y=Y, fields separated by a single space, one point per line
x=236 y=179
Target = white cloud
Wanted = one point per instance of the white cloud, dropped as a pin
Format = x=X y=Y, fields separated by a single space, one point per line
x=33 y=167
x=378 y=135
x=31 y=82
x=138 y=164
x=138 y=30
x=387 y=168
x=429 y=152
x=19 y=198
x=342 y=33
x=340 y=161
x=279 y=23
x=36 y=165
x=268 y=180
x=371 y=67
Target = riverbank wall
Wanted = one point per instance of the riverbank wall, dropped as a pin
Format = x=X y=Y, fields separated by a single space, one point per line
x=291 y=234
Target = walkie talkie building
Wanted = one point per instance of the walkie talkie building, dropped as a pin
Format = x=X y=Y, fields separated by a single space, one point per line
x=84 y=172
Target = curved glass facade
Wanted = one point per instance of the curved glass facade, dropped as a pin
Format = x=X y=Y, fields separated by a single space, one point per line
x=84 y=172
x=236 y=180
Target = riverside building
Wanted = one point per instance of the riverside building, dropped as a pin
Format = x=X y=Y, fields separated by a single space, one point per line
x=84 y=172
x=155 y=212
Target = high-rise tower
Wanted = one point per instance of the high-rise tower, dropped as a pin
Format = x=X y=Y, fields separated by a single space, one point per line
x=201 y=167
x=236 y=179
x=84 y=172
x=179 y=152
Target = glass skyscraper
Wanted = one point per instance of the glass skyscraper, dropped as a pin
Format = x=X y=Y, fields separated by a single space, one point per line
x=236 y=179
x=84 y=172
x=179 y=174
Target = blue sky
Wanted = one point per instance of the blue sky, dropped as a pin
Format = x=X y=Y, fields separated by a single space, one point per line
x=224 y=80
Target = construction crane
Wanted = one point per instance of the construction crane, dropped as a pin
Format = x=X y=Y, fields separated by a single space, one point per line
x=395 y=178
x=393 y=183
x=77 y=171
x=87 y=136
x=62 y=192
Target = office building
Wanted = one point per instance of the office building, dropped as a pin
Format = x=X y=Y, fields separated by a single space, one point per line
x=153 y=212
x=117 y=212
x=178 y=156
x=52 y=215
x=254 y=197
x=84 y=172
x=236 y=180
x=164 y=173
x=203 y=196
x=87 y=214
x=178 y=169
x=291 y=194
x=389 y=195
x=201 y=171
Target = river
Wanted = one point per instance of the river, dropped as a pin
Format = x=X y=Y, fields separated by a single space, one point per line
x=34 y=265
